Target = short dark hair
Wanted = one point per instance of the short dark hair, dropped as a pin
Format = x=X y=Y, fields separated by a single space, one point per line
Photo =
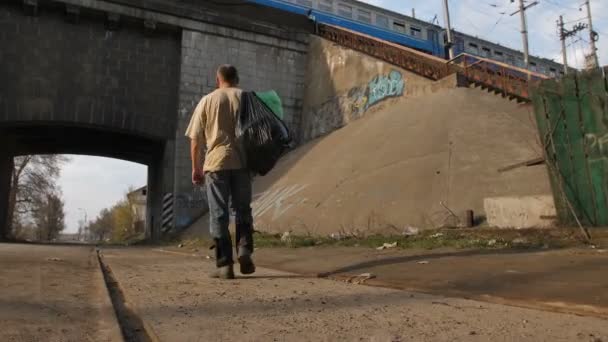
x=229 y=74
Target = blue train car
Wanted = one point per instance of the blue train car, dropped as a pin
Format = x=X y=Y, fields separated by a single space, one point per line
x=407 y=31
x=430 y=46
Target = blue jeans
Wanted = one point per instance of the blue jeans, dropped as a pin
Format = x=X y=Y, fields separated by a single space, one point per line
x=230 y=189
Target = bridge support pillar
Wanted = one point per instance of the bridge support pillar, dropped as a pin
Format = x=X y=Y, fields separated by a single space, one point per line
x=6 y=172
x=155 y=200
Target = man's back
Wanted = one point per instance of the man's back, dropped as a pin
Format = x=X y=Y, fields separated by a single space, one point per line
x=213 y=124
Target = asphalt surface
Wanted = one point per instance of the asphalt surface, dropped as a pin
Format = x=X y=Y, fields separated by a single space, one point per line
x=172 y=294
x=54 y=293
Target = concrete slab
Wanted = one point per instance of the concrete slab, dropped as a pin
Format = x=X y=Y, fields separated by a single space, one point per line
x=172 y=294
x=54 y=293
x=521 y=212
x=572 y=280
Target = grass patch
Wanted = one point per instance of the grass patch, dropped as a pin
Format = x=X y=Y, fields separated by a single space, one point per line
x=426 y=239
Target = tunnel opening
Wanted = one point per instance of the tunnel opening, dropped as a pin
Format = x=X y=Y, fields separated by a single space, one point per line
x=77 y=199
x=102 y=159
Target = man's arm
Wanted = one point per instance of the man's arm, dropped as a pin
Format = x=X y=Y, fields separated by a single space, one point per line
x=197 y=164
x=196 y=133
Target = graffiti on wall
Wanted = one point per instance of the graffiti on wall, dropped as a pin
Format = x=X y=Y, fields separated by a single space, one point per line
x=596 y=146
x=195 y=200
x=383 y=87
x=277 y=201
x=338 y=111
x=375 y=91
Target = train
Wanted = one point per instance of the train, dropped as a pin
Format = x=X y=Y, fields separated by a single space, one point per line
x=408 y=31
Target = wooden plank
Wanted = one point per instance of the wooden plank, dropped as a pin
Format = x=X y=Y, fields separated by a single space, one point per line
x=596 y=137
x=583 y=201
x=530 y=162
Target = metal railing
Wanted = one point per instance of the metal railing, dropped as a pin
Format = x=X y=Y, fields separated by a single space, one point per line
x=509 y=80
x=404 y=57
x=506 y=79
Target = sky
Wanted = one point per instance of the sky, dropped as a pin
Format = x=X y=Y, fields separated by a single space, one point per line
x=93 y=183
x=90 y=184
x=485 y=19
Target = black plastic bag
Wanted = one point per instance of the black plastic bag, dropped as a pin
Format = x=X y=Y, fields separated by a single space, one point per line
x=263 y=135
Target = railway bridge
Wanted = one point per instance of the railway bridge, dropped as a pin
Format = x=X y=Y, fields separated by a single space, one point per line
x=119 y=78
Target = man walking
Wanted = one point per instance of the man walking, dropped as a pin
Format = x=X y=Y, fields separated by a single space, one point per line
x=223 y=170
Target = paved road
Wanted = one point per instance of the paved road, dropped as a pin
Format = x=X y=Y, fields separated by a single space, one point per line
x=53 y=293
x=175 y=299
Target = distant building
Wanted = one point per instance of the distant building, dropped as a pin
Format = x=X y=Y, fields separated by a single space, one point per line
x=138 y=200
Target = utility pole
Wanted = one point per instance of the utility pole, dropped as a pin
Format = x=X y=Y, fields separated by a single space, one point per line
x=592 y=36
x=446 y=17
x=524 y=29
x=562 y=37
x=563 y=34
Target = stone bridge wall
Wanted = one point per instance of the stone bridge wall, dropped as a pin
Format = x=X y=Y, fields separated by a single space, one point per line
x=264 y=62
x=82 y=74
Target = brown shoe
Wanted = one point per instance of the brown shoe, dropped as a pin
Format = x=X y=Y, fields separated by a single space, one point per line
x=224 y=272
x=247 y=265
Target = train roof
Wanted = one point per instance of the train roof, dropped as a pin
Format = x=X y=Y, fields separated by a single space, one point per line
x=428 y=24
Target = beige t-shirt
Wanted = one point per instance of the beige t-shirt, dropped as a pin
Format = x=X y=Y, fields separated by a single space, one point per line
x=213 y=124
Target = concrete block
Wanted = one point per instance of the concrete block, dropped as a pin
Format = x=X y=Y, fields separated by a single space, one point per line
x=520 y=212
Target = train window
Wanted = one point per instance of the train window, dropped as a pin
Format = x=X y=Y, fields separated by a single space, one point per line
x=473 y=48
x=345 y=10
x=364 y=16
x=533 y=66
x=326 y=5
x=399 y=26
x=416 y=31
x=485 y=52
x=510 y=59
x=459 y=45
x=381 y=21
x=307 y=3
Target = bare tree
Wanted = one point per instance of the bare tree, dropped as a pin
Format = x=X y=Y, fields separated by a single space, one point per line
x=49 y=217
x=33 y=180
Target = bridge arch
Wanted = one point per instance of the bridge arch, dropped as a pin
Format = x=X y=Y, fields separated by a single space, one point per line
x=77 y=85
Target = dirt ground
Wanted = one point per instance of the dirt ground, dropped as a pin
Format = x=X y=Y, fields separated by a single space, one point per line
x=53 y=293
x=172 y=293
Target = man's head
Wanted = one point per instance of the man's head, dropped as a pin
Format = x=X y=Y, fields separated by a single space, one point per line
x=227 y=76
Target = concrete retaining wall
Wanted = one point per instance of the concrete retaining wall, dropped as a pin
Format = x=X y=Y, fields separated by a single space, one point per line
x=520 y=212
x=343 y=85
x=394 y=168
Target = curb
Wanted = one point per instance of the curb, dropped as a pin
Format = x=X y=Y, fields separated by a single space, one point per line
x=107 y=311
x=151 y=334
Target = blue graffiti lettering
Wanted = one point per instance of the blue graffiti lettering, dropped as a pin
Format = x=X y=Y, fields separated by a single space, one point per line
x=382 y=87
